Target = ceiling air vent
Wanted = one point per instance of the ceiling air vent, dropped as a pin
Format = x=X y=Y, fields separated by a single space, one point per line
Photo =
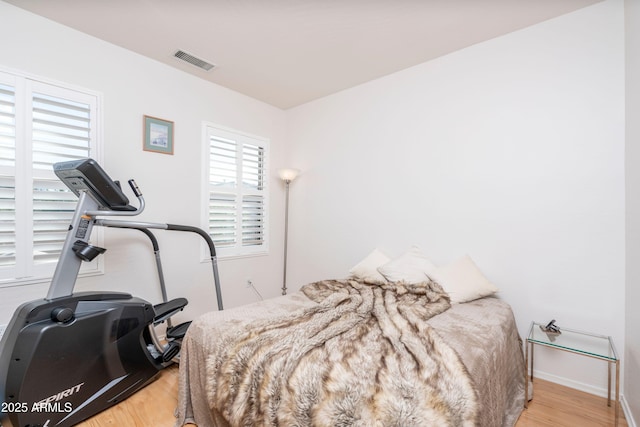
x=187 y=57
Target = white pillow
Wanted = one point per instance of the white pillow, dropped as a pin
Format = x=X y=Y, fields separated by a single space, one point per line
x=463 y=281
x=367 y=269
x=411 y=267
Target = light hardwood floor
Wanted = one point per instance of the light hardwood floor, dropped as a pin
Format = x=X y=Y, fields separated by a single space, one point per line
x=552 y=406
x=151 y=406
x=556 y=406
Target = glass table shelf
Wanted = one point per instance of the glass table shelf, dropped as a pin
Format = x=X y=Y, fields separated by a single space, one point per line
x=578 y=342
x=599 y=346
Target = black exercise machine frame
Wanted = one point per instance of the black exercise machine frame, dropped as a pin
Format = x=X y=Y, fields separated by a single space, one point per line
x=166 y=309
x=71 y=355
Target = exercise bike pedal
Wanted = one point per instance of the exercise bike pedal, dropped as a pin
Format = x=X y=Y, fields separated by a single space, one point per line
x=167 y=309
x=171 y=351
x=178 y=332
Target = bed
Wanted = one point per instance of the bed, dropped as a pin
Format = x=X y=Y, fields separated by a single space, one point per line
x=349 y=352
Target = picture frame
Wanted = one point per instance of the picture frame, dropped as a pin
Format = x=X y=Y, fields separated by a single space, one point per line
x=158 y=135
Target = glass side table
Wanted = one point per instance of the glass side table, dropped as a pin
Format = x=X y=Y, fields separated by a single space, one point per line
x=584 y=343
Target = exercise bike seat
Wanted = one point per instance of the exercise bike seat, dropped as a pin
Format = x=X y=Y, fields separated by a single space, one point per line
x=167 y=309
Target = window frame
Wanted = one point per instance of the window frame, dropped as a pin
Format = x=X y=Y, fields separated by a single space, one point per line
x=238 y=250
x=25 y=86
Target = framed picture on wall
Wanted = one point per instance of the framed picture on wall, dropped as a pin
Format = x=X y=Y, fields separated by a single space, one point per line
x=158 y=135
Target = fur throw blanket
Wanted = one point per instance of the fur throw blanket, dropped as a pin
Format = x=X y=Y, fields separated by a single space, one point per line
x=364 y=356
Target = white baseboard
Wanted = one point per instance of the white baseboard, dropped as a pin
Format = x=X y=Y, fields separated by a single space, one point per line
x=588 y=388
x=627 y=412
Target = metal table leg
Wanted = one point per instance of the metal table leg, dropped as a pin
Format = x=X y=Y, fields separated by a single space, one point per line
x=617 y=391
x=526 y=374
x=608 y=384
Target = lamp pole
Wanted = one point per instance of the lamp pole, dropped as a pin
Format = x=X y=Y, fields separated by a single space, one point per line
x=287 y=175
x=286 y=236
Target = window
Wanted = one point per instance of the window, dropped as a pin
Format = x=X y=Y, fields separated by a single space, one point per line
x=40 y=124
x=237 y=197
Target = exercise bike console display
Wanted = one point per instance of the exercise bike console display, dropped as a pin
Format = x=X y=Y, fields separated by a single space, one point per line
x=87 y=175
x=70 y=355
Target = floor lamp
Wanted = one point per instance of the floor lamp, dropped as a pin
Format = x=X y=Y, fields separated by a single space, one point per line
x=287 y=175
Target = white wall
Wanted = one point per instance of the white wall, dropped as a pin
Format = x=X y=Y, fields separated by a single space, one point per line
x=133 y=86
x=511 y=150
x=632 y=354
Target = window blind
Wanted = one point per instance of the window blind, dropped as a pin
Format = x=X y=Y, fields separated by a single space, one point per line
x=61 y=130
x=7 y=126
x=236 y=210
x=223 y=219
x=40 y=124
x=7 y=182
x=53 y=207
x=252 y=220
x=223 y=168
x=7 y=222
x=253 y=166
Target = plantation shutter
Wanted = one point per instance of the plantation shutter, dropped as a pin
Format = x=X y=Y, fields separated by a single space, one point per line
x=222 y=219
x=237 y=194
x=252 y=221
x=40 y=124
x=253 y=200
x=223 y=174
x=7 y=180
x=61 y=130
x=53 y=208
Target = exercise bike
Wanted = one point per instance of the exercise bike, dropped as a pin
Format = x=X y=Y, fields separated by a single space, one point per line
x=71 y=355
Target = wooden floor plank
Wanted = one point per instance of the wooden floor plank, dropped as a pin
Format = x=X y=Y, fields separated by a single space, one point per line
x=152 y=406
x=553 y=405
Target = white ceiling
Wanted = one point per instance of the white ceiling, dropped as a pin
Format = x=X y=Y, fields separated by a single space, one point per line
x=288 y=52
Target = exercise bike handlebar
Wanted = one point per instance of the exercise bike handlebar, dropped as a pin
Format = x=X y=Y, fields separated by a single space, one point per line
x=145 y=226
x=134 y=188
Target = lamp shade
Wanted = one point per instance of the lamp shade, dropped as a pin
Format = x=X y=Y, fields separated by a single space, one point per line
x=288 y=174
